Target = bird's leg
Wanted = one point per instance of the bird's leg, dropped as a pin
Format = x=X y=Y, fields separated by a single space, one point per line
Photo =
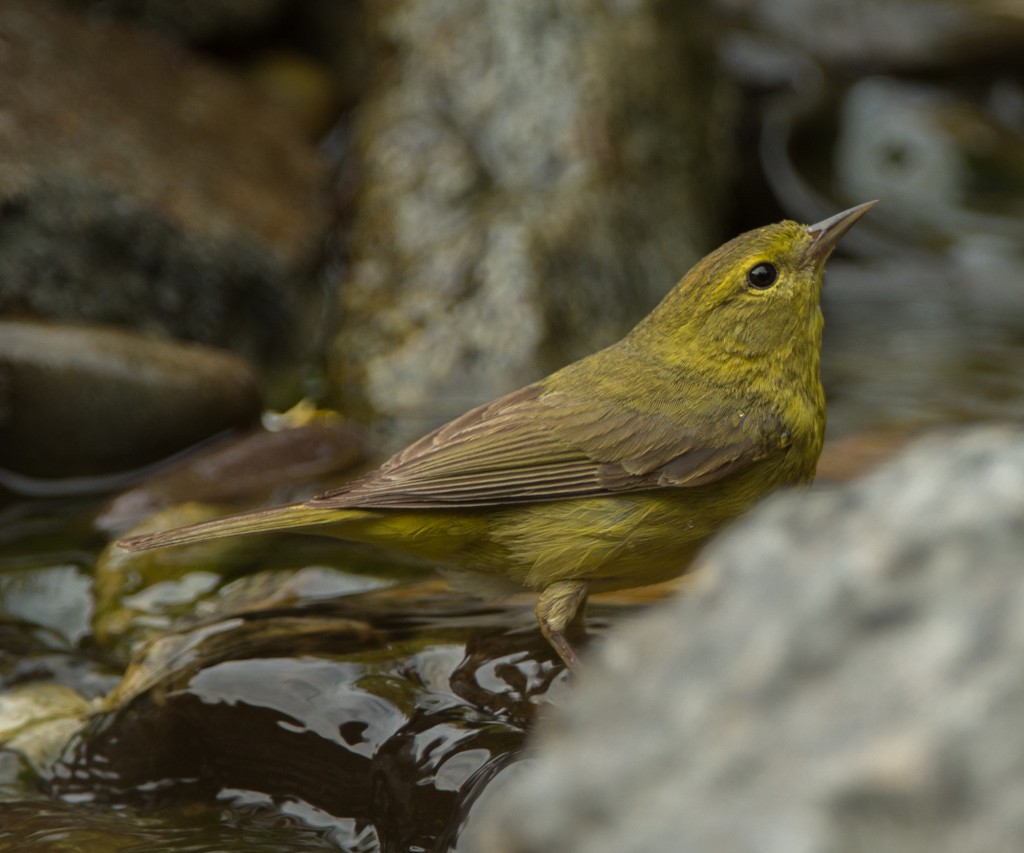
x=560 y=606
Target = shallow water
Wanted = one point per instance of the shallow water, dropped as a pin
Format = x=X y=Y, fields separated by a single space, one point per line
x=317 y=719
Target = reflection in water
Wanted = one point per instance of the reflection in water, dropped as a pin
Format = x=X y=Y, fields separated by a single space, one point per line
x=377 y=717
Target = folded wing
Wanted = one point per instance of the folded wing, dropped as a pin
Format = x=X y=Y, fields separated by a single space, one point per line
x=536 y=445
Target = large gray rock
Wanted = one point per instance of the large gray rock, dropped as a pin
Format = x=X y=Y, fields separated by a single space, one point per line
x=533 y=177
x=847 y=675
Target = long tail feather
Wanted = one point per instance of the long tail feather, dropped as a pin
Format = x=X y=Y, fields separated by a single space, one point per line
x=256 y=521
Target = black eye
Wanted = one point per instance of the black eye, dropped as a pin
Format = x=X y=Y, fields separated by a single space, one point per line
x=762 y=276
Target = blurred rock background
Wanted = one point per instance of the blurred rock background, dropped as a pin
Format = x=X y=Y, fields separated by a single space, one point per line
x=398 y=210
x=404 y=208
x=531 y=176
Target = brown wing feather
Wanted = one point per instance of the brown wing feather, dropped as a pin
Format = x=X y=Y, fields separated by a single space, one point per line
x=532 y=446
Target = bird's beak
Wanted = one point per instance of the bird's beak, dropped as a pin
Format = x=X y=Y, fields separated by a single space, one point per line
x=825 y=234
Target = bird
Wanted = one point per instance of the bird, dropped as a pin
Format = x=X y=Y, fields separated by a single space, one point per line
x=613 y=471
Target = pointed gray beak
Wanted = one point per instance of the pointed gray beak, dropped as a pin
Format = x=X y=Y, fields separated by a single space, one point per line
x=828 y=232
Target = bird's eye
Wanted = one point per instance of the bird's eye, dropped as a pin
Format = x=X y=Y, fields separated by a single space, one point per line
x=762 y=276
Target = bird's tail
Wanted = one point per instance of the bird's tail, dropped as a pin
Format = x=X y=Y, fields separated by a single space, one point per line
x=287 y=517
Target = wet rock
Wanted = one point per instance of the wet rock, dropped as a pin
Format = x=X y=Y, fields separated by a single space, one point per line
x=37 y=720
x=142 y=186
x=845 y=675
x=533 y=177
x=47 y=689
x=86 y=400
x=24 y=707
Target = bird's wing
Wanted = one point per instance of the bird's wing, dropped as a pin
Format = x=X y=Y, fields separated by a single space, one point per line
x=536 y=445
